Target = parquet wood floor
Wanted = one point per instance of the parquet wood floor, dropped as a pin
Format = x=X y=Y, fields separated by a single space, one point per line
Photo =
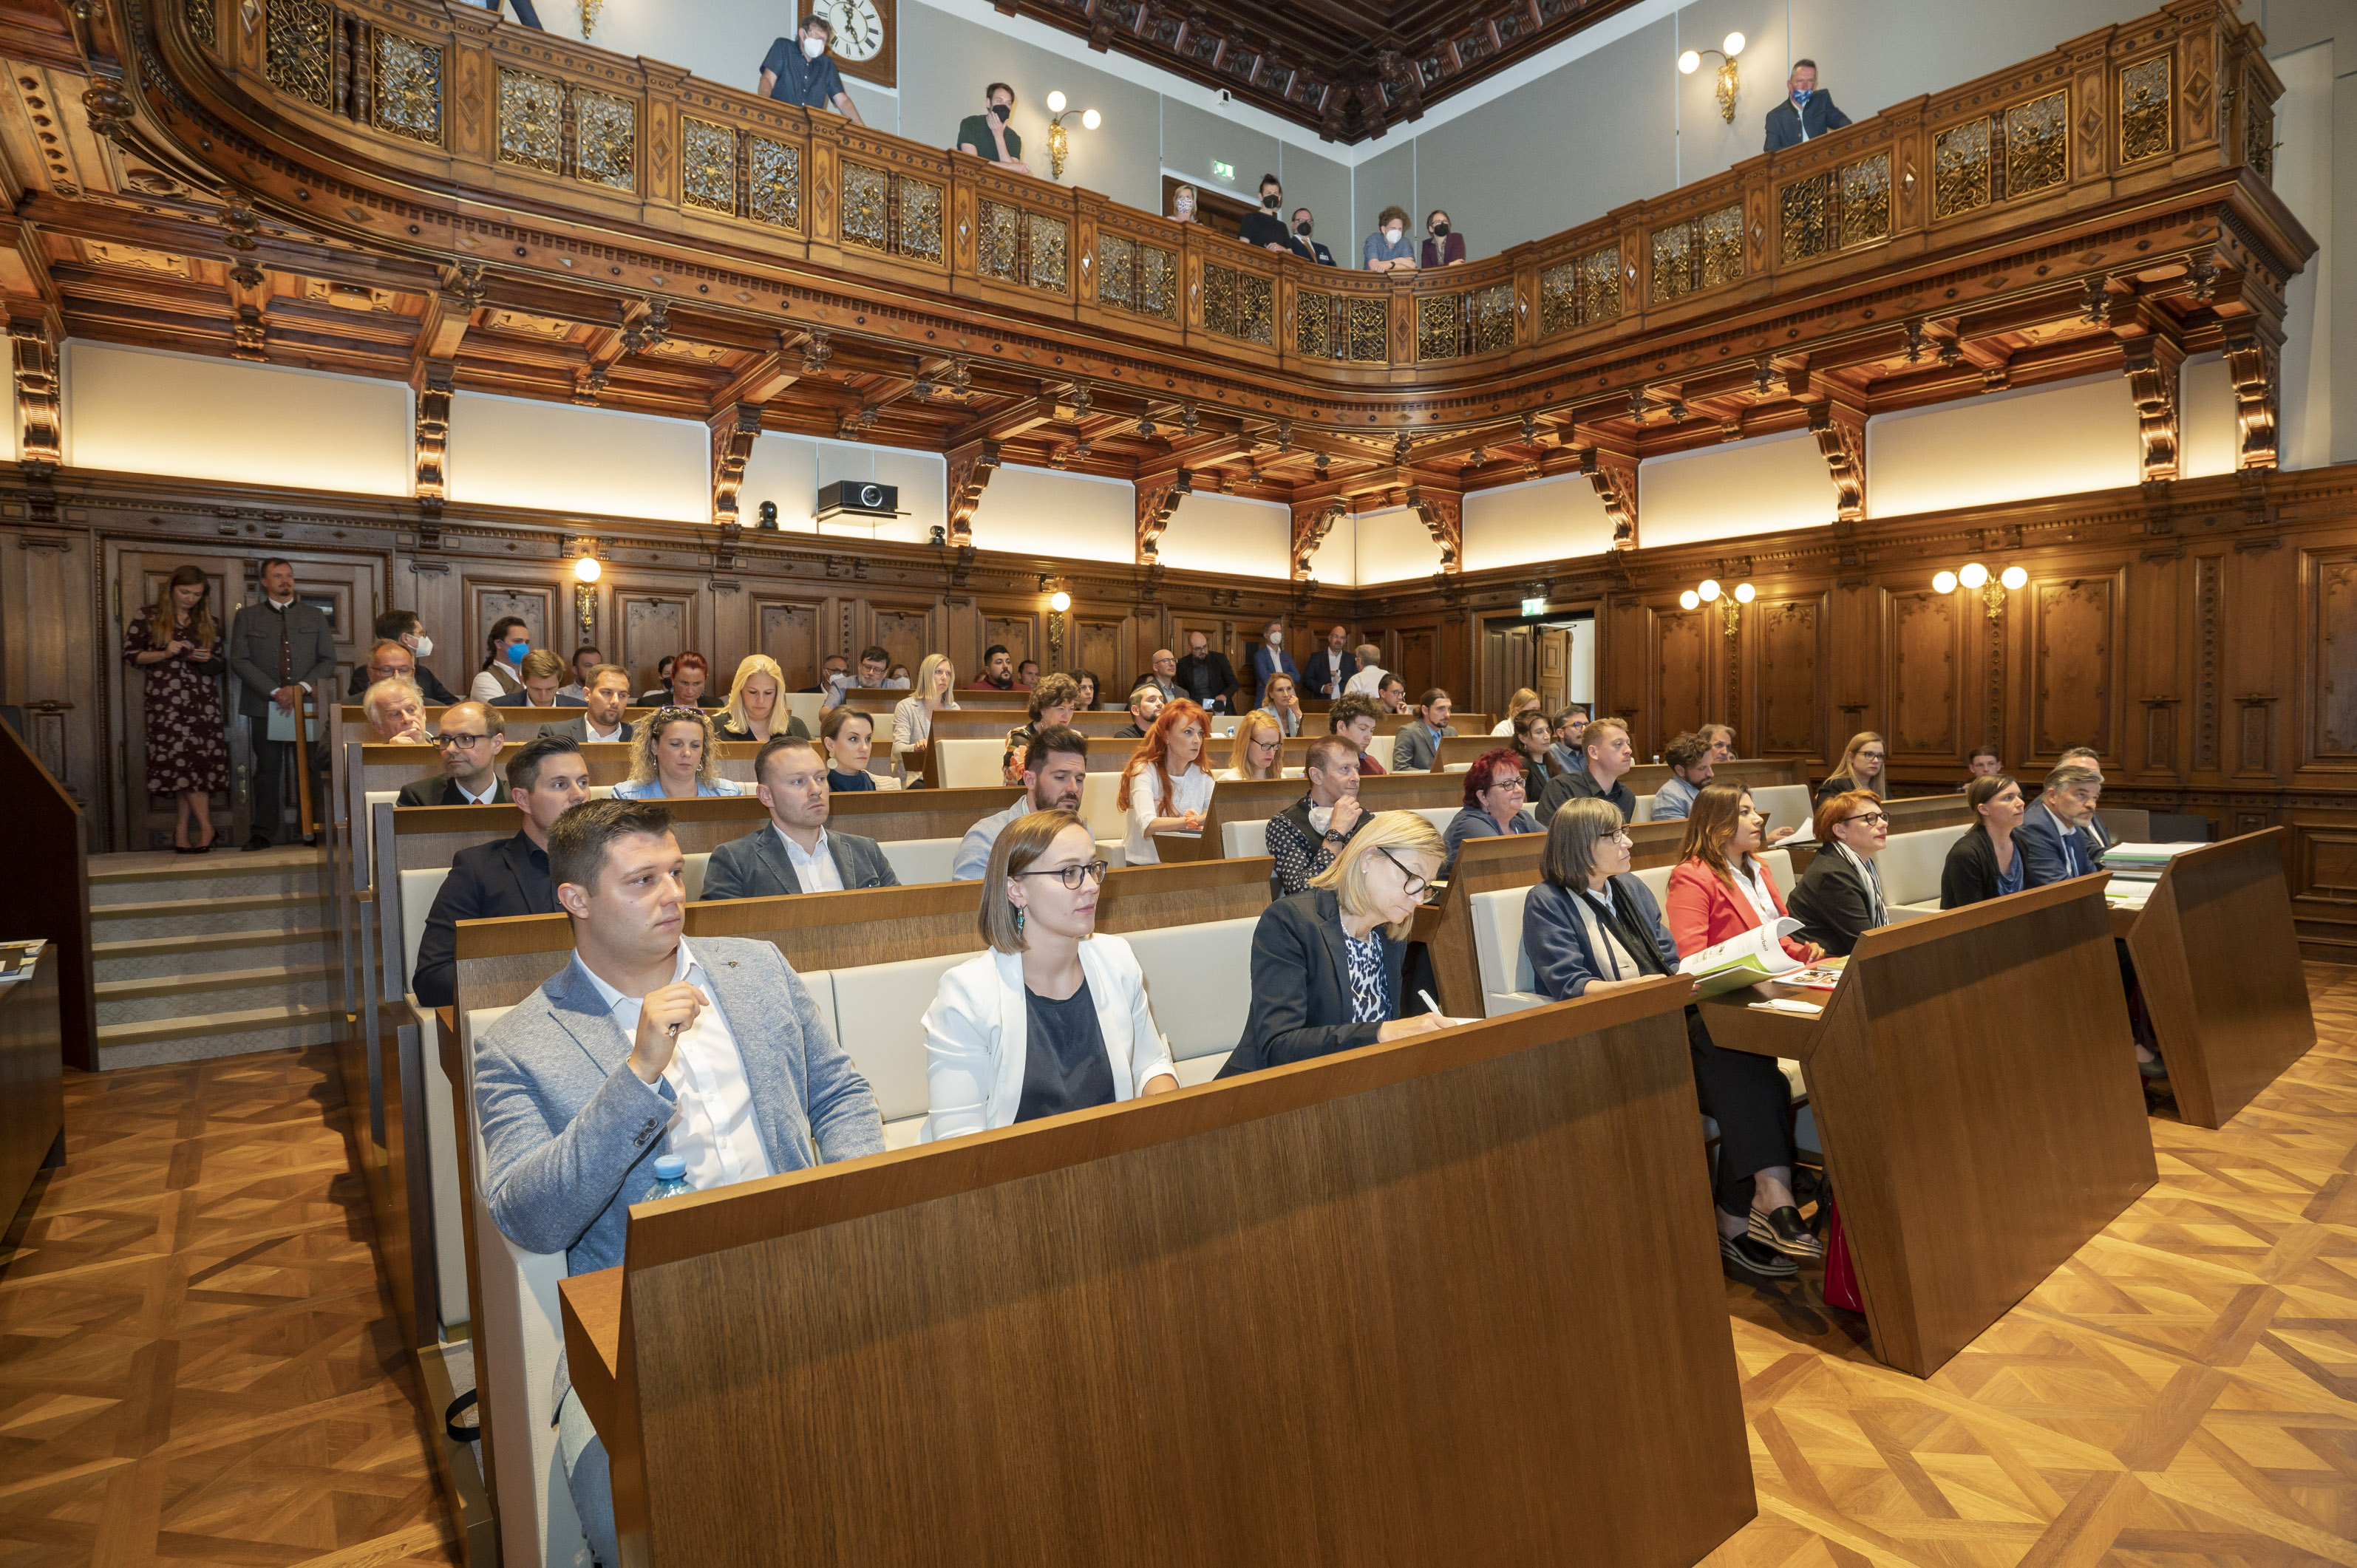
x=197 y=1364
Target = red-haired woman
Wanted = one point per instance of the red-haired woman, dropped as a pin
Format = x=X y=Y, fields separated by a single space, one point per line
x=1494 y=804
x=1163 y=786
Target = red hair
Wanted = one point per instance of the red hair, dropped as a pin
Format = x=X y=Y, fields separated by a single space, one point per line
x=1156 y=747
x=1483 y=774
x=687 y=662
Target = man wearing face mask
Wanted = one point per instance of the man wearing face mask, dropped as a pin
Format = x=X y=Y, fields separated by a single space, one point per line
x=1806 y=114
x=1264 y=228
x=1307 y=249
x=1270 y=660
x=988 y=135
x=1388 y=249
x=800 y=70
x=1446 y=247
x=401 y=626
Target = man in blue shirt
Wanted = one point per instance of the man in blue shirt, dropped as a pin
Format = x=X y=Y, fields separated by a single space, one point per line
x=1055 y=766
x=800 y=70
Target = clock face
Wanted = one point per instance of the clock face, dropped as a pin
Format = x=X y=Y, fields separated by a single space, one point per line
x=858 y=27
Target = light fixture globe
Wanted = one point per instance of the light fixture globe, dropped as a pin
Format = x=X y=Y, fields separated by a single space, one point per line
x=1059 y=602
x=587 y=569
x=1689 y=600
x=1091 y=119
x=1944 y=581
x=1745 y=593
x=1689 y=62
x=1973 y=576
x=2014 y=577
x=1708 y=589
x=1056 y=101
x=1734 y=44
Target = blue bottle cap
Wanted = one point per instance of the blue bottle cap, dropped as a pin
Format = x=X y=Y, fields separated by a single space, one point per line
x=670 y=1167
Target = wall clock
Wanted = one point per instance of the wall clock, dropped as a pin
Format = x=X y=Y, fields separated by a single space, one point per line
x=866 y=39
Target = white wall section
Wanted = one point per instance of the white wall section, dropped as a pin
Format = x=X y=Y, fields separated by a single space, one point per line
x=2017 y=445
x=507 y=451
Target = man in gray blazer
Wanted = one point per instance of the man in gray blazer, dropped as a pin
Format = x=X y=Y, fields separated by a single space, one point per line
x=280 y=648
x=1418 y=742
x=794 y=852
x=640 y=1048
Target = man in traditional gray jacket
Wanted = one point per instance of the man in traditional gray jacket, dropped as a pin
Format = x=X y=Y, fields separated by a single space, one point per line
x=642 y=1047
x=794 y=851
x=280 y=648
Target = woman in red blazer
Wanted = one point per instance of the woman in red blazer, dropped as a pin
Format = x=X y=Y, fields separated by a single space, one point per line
x=1720 y=889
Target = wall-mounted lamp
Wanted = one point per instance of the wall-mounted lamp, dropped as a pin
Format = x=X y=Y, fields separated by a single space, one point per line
x=590 y=10
x=1058 y=603
x=1730 y=82
x=1060 y=143
x=1972 y=574
x=1709 y=592
x=587 y=570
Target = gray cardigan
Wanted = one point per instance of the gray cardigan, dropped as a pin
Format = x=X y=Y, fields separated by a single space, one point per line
x=755 y=866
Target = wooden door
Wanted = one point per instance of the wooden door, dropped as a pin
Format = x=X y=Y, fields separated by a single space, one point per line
x=1553 y=684
x=787 y=631
x=145 y=821
x=1419 y=663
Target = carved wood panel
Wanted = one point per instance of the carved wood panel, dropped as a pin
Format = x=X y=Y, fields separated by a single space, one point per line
x=1789 y=634
x=2071 y=686
x=2332 y=663
x=1096 y=648
x=1926 y=634
x=787 y=631
x=1419 y=663
x=1015 y=631
x=907 y=634
x=488 y=603
x=649 y=623
x=1682 y=671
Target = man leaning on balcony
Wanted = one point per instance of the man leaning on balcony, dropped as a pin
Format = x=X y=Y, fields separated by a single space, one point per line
x=524 y=13
x=1806 y=113
x=800 y=70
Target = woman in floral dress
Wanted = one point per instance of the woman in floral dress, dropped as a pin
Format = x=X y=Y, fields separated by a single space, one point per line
x=177 y=641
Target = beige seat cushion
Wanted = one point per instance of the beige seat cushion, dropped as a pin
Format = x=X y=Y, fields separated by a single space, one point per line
x=1198 y=982
x=970 y=764
x=1243 y=841
x=1910 y=864
x=921 y=860
x=878 y=1017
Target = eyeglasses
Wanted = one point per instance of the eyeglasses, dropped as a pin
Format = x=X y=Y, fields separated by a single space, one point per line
x=1871 y=819
x=1413 y=885
x=1623 y=840
x=1071 y=877
x=463 y=742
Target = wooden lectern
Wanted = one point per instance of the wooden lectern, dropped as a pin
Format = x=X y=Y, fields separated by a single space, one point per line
x=1452 y=1300
x=1976 y=1090
x=2218 y=960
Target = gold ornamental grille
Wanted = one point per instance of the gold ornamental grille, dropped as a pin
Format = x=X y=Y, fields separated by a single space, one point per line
x=2037 y=144
x=531 y=120
x=408 y=100
x=1580 y=291
x=203 y=22
x=1960 y=168
x=1476 y=321
x=889 y=212
x=2147 y=129
x=606 y=139
x=1697 y=253
x=773 y=182
x=707 y=165
x=299 y=49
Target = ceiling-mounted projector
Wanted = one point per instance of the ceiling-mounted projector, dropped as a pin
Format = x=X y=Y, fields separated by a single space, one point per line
x=858 y=499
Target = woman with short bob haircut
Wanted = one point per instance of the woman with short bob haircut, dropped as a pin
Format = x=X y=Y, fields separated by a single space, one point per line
x=1327 y=962
x=1495 y=804
x=674 y=757
x=1259 y=748
x=1053 y=1017
x=1839 y=898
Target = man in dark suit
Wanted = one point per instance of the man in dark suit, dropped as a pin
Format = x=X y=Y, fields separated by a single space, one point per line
x=1270 y=660
x=1331 y=667
x=506 y=877
x=609 y=695
x=1205 y=676
x=1805 y=115
x=398 y=629
x=1305 y=224
x=280 y=648
x=794 y=852
x=2052 y=839
x=472 y=734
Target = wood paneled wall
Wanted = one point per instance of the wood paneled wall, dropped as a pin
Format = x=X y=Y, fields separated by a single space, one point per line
x=2202 y=636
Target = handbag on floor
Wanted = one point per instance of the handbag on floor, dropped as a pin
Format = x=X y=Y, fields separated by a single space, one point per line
x=1841 y=1273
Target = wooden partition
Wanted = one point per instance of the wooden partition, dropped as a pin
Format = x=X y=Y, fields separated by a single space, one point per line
x=1976 y=1090
x=2218 y=961
x=391 y=767
x=32 y=1079
x=50 y=854
x=1346 y=1311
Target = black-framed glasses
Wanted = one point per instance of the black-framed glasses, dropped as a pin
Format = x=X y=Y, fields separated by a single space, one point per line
x=1414 y=884
x=463 y=742
x=1071 y=877
x=1871 y=819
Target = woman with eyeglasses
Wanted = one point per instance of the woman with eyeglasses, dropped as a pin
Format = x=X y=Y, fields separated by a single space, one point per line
x=1839 y=898
x=1328 y=963
x=1861 y=769
x=1259 y=744
x=1495 y=796
x=674 y=757
x=1053 y=1017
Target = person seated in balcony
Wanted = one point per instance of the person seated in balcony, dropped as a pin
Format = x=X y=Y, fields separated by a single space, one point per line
x=1186 y=205
x=1264 y=227
x=1806 y=113
x=988 y=135
x=1388 y=249
x=1444 y=246
x=800 y=70
x=1305 y=224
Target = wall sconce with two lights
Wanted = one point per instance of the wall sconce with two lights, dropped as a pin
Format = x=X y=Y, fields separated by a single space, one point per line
x=1060 y=141
x=1972 y=574
x=1730 y=82
x=1709 y=592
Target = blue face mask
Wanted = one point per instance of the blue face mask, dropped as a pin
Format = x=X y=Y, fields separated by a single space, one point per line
x=1800 y=95
x=516 y=650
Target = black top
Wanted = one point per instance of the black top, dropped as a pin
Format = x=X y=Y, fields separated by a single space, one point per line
x=973 y=131
x=1582 y=785
x=849 y=780
x=1302 y=996
x=1209 y=680
x=1064 y=1063
x=1312 y=250
x=1832 y=902
x=1262 y=226
x=1970 y=874
x=801 y=80
x=728 y=729
x=1129 y=731
x=1840 y=784
x=488 y=880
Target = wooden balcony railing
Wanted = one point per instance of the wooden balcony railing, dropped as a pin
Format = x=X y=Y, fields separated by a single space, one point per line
x=448 y=95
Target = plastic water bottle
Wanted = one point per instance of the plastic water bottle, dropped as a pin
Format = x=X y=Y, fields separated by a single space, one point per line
x=671 y=1178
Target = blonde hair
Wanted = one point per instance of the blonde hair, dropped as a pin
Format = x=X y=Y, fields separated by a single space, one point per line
x=1020 y=842
x=753 y=664
x=540 y=664
x=1847 y=771
x=922 y=686
x=649 y=736
x=1523 y=700
x=1405 y=830
x=1239 y=756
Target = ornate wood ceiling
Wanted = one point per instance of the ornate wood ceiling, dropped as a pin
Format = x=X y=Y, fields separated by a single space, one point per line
x=1348 y=68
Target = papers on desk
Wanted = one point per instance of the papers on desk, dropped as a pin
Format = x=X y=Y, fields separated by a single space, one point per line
x=1791 y=1004
x=1758 y=954
x=2129 y=893
x=17 y=958
x=1823 y=976
x=2141 y=862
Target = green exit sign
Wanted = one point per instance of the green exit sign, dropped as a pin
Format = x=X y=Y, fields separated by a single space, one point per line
x=1535 y=607
x=1224 y=172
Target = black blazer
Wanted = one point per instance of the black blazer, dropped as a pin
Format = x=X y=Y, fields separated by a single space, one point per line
x=1970 y=874
x=523 y=699
x=510 y=877
x=1312 y=683
x=443 y=791
x=428 y=686
x=1786 y=122
x=1832 y=903
x=1301 y=985
x=1217 y=672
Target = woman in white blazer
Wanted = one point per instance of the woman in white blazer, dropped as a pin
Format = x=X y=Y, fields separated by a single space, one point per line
x=1053 y=1017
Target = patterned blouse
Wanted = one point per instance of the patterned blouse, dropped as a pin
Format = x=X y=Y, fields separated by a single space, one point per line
x=1371 y=1000
x=1297 y=858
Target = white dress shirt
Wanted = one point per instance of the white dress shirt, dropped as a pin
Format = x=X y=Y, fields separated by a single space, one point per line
x=815 y=871
x=1753 y=878
x=589 y=727
x=489 y=791
x=713 y=1130
x=1367 y=682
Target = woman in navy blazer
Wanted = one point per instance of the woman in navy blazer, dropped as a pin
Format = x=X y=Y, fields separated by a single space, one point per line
x=1327 y=963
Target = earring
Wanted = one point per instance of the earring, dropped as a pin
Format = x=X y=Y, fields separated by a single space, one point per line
x=1018 y=919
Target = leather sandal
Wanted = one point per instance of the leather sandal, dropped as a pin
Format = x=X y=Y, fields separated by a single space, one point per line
x=1751 y=1259
x=1787 y=1232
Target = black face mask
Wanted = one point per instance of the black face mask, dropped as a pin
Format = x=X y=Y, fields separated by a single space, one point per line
x=1440 y=231
x=998 y=112
x=1302 y=229
x=1270 y=201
